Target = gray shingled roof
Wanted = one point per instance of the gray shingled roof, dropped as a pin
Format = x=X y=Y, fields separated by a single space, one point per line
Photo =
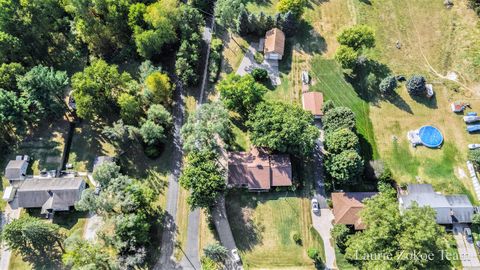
x=14 y=169
x=56 y=194
x=449 y=208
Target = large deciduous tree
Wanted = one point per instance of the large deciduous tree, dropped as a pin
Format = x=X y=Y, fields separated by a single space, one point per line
x=158 y=89
x=82 y=254
x=294 y=6
x=33 y=237
x=102 y=25
x=357 y=37
x=241 y=93
x=337 y=118
x=154 y=26
x=283 y=127
x=9 y=74
x=344 y=167
x=227 y=12
x=204 y=176
x=346 y=56
x=340 y=140
x=208 y=125
x=97 y=88
x=391 y=233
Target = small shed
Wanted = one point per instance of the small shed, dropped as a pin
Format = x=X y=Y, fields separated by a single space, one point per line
x=313 y=102
x=274 y=44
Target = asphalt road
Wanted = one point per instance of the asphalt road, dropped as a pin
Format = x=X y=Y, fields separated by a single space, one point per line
x=166 y=260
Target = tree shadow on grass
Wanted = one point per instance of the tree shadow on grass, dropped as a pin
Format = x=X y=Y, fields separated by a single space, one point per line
x=428 y=102
x=399 y=102
x=366 y=78
x=240 y=207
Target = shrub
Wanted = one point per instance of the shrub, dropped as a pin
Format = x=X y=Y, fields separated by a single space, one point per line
x=388 y=85
x=260 y=74
x=216 y=252
x=328 y=105
x=416 y=85
x=474 y=156
x=258 y=57
x=313 y=253
x=297 y=238
x=476 y=219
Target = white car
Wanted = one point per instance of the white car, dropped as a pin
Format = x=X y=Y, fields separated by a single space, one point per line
x=235 y=256
x=473 y=146
x=315 y=207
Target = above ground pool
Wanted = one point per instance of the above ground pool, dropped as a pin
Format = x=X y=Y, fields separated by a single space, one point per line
x=430 y=136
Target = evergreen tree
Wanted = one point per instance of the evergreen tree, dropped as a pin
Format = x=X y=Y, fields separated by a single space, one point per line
x=289 y=25
x=243 y=23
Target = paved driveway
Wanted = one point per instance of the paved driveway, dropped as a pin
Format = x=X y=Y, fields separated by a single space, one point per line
x=11 y=212
x=248 y=64
x=323 y=223
x=466 y=250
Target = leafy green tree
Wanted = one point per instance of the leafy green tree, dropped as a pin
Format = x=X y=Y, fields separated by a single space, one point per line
x=243 y=26
x=12 y=111
x=34 y=32
x=204 y=176
x=158 y=88
x=338 y=118
x=130 y=108
x=33 y=237
x=416 y=85
x=387 y=85
x=389 y=232
x=43 y=91
x=9 y=74
x=357 y=36
x=344 y=167
x=346 y=56
x=225 y=10
x=161 y=19
x=188 y=55
x=476 y=219
x=340 y=140
x=241 y=93
x=120 y=135
x=106 y=172
x=313 y=253
x=81 y=254
x=340 y=234
x=215 y=252
x=294 y=6
x=289 y=24
x=152 y=133
x=102 y=25
x=328 y=105
x=158 y=114
x=283 y=127
x=97 y=88
x=208 y=124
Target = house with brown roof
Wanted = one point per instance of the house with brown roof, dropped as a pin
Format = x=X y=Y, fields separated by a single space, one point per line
x=313 y=102
x=346 y=208
x=259 y=171
x=274 y=44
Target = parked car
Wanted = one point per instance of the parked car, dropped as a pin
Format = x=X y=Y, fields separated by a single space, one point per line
x=315 y=207
x=235 y=256
x=473 y=146
x=468 y=234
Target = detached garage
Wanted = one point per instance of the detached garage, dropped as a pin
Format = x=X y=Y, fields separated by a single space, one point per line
x=274 y=44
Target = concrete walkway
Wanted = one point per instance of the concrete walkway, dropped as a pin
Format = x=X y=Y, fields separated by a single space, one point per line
x=466 y=250
x=9 y=215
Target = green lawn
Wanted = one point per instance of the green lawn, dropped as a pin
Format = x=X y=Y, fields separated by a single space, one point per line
x=328 y=78
x=263 y=226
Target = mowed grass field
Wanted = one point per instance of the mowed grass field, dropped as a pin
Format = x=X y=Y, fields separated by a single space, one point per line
x=263 y=226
